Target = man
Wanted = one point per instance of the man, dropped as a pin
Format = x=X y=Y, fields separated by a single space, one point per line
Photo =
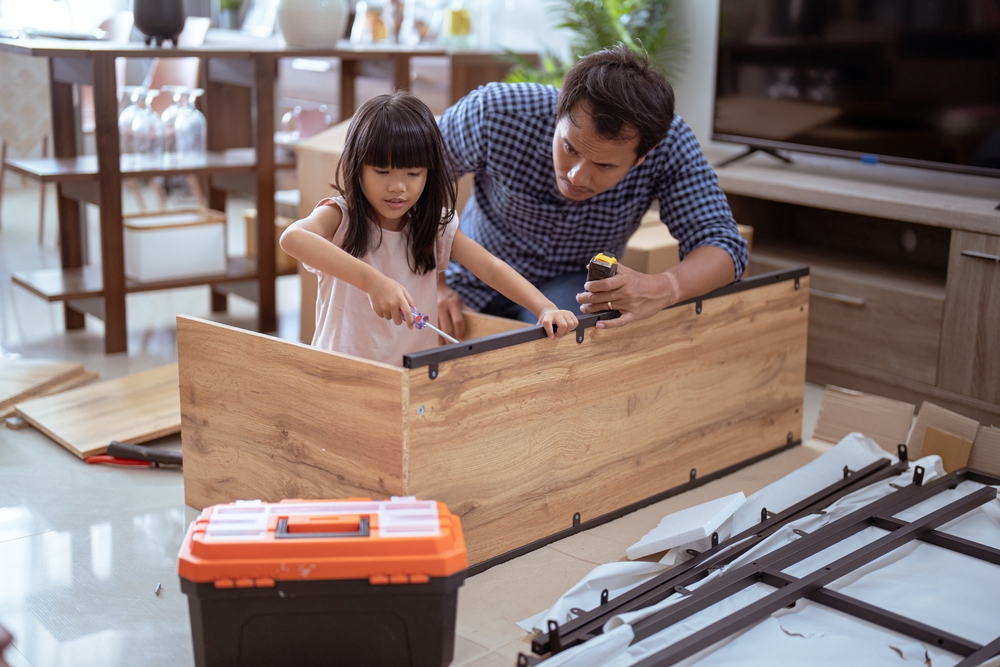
x=563 y=175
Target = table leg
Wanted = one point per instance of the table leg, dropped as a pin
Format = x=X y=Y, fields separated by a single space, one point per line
x=401 y=72
x=109 y=167
x=69 y=210
x=266 y=66
x=348 y=74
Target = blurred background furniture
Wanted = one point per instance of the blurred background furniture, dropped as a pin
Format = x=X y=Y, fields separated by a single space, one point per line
x=240 y=75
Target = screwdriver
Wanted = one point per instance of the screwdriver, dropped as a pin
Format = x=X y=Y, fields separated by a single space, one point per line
x=420 y=320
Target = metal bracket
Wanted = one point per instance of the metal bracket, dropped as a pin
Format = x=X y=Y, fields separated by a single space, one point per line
x=682 y=590
x=555 y=642
x=693 y=475
x=764 y=514
x=902 y=452
x=432 y=371
x=847 y=472
x=715 y=539
x=579 y=334
x=918 y=476
x=796 y=283
x=576 y=518
x=697 y=307
x=604 y=597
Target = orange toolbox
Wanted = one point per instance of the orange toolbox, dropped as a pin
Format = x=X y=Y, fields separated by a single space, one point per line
x=323 y=582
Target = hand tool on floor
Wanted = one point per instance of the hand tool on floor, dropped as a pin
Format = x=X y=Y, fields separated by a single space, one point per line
x=125 y=453
x=603 y=265
x=420 y=320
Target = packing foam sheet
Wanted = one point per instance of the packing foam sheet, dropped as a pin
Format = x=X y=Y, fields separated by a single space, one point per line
x=687 y=526
x=926 y=583
x=855 y=451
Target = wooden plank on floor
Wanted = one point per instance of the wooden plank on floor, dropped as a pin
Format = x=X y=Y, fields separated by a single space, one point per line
x=69 y=382
x=134 y=408
x=21 y=379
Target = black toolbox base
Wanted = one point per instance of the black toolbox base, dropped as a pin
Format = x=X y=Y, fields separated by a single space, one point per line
x=305 y=623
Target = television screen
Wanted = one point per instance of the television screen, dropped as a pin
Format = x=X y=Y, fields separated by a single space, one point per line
x=907 y=81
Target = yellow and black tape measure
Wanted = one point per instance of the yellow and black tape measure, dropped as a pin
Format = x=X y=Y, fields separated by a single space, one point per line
x=604 y=265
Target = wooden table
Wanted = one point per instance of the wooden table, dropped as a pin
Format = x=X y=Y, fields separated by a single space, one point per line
x=240 y=77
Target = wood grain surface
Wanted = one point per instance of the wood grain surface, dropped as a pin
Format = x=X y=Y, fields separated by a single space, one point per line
x=134 y=408
x=517 y=440
x=970 y=338
x=270 y=419
x=21 y=379
x=69 y=382
x=514 y=440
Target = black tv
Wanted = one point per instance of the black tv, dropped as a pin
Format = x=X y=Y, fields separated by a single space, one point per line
x=913 y=82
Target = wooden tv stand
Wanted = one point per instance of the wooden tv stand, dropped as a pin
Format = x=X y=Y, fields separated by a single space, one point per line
x=905 y=271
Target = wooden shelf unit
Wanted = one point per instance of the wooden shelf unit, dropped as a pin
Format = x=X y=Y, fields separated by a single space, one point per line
x=905 y=266
x=86 y=282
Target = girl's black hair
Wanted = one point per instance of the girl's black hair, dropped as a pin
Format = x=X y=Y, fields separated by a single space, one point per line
x=397 y=131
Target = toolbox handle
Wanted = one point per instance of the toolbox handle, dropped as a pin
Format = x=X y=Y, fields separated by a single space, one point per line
x=282 y=532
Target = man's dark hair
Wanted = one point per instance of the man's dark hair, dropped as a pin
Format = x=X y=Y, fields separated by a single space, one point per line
x=625 y=94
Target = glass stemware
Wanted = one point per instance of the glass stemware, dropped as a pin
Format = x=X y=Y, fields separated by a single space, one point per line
x=125 y=118
x=147 y=128
x=169 y=117
x=190 y=126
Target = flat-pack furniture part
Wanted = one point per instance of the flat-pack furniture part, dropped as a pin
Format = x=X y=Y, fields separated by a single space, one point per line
x=524 y=438
x=326 y=582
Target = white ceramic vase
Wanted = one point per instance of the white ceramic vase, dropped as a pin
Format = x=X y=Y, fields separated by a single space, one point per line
x=312 y=23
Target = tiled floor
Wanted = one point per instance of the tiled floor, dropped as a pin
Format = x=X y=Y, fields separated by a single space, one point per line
x=82 y=548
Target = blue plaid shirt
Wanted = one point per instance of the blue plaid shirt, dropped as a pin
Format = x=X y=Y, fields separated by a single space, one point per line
x=503 y=133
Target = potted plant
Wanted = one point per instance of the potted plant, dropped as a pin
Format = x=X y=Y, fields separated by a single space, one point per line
x=598 y=24
x=229 y=14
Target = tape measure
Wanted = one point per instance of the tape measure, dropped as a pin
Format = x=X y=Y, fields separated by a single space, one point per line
x=604 y=265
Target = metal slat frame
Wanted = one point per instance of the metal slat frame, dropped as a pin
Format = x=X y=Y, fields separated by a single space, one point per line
x=590 y=623
x=796 y=590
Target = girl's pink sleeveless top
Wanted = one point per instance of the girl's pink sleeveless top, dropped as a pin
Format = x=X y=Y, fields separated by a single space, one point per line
x=345 y=321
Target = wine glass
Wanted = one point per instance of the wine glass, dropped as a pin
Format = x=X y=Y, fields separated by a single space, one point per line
x=147 y=128
x=190 y=126
x=169 y=116
x=132 y=94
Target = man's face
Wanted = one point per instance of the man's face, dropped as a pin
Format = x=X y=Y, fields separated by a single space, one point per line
x=586 y=163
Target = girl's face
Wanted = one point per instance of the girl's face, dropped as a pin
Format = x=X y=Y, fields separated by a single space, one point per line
x=392 y=192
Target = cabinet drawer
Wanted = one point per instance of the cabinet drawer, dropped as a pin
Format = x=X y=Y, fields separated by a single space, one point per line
x=970 y=341
x=872 y=323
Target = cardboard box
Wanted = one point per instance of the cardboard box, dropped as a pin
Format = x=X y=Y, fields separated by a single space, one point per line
x=652 y=249
x=284 y=262
x=173 y=245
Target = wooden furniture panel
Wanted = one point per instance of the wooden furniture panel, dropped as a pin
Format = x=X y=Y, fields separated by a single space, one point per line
x=134 y=408
x=516 y=435
x=970 y=340
x=564 y=428
x=269 y=419
x=872 y=322
x=21 y=379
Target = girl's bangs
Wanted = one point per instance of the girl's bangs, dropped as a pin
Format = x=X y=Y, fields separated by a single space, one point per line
x=397 y=142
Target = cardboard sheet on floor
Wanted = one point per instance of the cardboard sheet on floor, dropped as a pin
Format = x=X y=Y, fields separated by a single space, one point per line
x=953 y=450
x=985 y=454
x=23 y=379
x=940 y=418
x=135 y=408
x=843 y=411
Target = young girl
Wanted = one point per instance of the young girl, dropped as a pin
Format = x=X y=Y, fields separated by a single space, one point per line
x=379 y=247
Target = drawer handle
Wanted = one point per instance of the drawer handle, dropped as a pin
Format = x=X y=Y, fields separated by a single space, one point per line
x=981 y=255
x=842 y=298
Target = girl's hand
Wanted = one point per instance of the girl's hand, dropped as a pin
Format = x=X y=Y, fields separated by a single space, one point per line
x=557 y=323
x=391 y=301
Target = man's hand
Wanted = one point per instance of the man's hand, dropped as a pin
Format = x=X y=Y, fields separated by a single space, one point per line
x=638 y=296
x=635 y=295
x=450 y=307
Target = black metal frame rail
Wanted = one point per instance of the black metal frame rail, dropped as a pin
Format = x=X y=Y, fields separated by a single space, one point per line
x=434 y=356
x=590 y=623
x=769 y=568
